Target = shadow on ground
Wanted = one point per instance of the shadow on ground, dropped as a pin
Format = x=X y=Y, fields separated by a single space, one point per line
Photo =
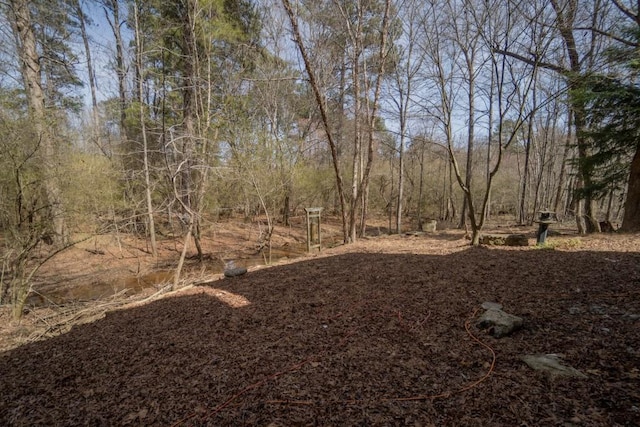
x=356 y=339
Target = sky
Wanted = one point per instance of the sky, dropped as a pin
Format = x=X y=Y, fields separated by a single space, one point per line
x=102 y=54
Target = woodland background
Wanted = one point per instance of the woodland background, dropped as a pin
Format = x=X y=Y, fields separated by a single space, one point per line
x=160 y=118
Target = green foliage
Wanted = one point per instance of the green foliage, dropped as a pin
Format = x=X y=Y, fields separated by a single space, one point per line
x=55 y=25
x=612 y=106
x=93 y=192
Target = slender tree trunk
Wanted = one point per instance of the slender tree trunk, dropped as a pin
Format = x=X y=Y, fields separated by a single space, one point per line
x=400 y=176
x=372 y=112
x=143 y=129
x=421 y=188
x=522 y=214
x=92 y=80
x=121 y=72
x=190 y=61
x=489 y=141
x=563 y=165
x=357 y=145
x=323 y=112
x=468 y=200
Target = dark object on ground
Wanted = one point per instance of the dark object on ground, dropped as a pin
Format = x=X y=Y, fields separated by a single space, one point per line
x=517 y=240
x=234 y=272
x=501 y=240
x=607 y=227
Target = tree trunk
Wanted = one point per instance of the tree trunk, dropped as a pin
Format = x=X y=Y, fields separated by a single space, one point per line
x=145 y=145
x=400 y=175
x=92 y=80
x=323 y=112
x=31 y=75
x=631 y=218
x=120 y=67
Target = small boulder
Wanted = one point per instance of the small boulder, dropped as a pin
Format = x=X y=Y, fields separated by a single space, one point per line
x=234 y=272
x=488 y=305
x=551 y=363
x=499 y=323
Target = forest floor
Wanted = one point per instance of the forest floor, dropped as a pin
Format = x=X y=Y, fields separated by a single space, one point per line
x=380 y=332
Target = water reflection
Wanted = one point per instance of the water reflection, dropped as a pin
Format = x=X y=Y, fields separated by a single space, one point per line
x=101 y=289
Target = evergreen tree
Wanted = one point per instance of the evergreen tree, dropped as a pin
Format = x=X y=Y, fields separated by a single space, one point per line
x=613 y=115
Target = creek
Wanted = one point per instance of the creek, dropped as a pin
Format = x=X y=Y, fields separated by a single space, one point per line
x=135 y=283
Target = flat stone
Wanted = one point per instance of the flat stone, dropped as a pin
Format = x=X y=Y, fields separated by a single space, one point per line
x=487 y=305
x=551 y=363
x=499 y=323
x=234 y=272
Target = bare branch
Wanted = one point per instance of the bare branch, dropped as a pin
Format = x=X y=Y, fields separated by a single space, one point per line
x=612 y=36
x=532 y=61
x=624 y=9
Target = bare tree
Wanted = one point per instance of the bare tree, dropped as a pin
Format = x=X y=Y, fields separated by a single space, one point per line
x=322 y=105
x=581 y=58
x=145 y=144
x=405 y=77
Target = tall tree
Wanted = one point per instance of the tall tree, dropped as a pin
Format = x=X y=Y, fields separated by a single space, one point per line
x=112 y=14
x=362 y=30
x=612 y=116
x=579 y=59
x=140 y=51
x=405 y=77
x=20 y=16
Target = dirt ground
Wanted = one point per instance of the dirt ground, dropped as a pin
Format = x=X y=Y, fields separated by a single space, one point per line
x=381 y=332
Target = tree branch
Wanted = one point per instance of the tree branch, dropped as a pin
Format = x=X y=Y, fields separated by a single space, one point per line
x=624 y=9
x=533 y=62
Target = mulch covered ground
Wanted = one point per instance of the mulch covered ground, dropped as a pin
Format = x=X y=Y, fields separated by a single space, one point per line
x=374 y=334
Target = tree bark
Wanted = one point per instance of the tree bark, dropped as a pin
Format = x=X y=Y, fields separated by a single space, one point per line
x=32 y=77
x=145 y=145
x=631 y=218
x=120 y=64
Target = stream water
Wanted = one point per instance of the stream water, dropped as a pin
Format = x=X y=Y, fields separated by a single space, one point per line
x=100 y=289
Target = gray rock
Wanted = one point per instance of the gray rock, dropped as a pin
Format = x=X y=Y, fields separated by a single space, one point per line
x=487 y=305
x=499 y=323
x=551 y=363
x=234 y=272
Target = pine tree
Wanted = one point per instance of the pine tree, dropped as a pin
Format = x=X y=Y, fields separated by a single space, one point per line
x=613 y=113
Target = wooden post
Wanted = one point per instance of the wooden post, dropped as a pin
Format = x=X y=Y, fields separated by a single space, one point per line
x=314 y=237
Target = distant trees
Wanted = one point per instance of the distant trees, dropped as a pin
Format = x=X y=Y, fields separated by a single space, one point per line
x=359 y=32
x=451 y=109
